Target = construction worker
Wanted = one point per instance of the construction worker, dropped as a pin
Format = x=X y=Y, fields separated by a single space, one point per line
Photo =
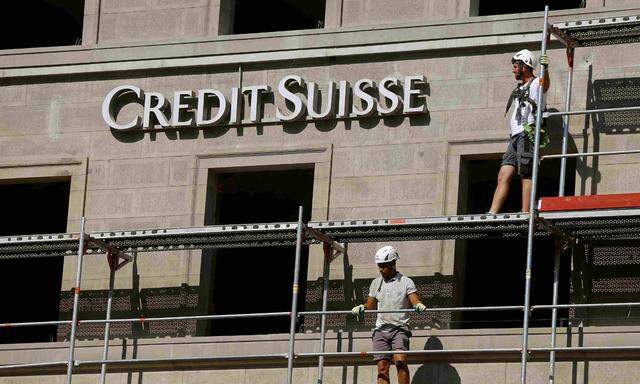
x=519 y=155
x=391 y=291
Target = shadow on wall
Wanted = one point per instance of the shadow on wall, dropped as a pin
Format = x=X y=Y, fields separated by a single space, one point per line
x=435 y=373
x=606 y=93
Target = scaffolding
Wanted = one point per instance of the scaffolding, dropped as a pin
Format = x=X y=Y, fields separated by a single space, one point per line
x=564 y=227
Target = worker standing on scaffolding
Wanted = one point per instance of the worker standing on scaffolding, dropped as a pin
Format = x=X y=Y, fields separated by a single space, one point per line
x=391 y=291
x=519 y=155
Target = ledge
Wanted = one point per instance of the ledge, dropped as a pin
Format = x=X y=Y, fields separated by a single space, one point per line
x=253 y=49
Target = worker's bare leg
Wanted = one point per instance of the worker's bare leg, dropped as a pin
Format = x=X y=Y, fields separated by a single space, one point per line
x=526 y=194
x=502 y=189
x=383 y=371
x=401 y=365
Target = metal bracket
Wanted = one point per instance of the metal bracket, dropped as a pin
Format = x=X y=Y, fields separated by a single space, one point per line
x=553 y=229
x=562 y=36
x=114 y=254
x=325 y=239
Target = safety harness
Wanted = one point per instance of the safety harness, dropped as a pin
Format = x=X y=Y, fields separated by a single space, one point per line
x=521 y=94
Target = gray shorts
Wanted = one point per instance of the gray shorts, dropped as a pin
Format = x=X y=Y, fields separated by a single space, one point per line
x=519 y=154
x=392 y=340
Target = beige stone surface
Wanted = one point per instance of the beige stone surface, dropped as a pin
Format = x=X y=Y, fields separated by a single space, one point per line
x=363 y=169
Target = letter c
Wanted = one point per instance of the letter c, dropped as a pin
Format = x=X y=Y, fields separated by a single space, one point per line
x=109 y=111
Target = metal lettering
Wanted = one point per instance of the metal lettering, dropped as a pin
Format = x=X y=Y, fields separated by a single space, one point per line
x=359 y=92
x=209 y=107
x=344 y=99
x=157 y=110
x=109 y=111
x=388 y=94
x=203 y=107
x=236 y=109
x=298 y=106
x=313 y=101
x=254 y=102
x=409 y=91
x=178 y=106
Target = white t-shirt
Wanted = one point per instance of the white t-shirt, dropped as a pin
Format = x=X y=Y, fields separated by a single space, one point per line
x=526 y=110
x=392 y=294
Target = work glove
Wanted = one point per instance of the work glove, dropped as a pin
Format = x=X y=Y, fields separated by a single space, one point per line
x=544 y=60
x=358 y=311
x=419 y=307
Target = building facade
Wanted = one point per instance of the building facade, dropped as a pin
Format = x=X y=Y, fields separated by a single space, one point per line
x=408 y=121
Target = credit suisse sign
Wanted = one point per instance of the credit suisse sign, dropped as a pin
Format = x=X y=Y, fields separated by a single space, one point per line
x=210 y=107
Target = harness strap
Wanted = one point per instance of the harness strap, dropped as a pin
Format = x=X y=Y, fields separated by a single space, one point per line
x=521 y=94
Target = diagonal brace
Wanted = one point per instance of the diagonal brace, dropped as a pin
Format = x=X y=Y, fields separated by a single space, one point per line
x=326 y=239
x=114 y=254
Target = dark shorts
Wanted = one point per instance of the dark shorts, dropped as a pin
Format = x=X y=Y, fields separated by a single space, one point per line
x=519 y=154
x=392 y=340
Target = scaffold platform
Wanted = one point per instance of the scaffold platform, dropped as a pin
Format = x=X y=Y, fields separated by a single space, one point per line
x=592 y=224
x=601 y=31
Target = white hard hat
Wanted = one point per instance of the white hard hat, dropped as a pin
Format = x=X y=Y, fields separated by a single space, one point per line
x=386 y=254
x=527 y=57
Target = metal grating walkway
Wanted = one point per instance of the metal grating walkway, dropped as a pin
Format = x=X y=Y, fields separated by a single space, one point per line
x=596 y=224
x=603 y=31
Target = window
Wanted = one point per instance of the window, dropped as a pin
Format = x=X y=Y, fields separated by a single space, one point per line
x=250 y=16
x=43 y=23
x=491 y=272
x=30 y=288
x=500 y=7
x=253 y=279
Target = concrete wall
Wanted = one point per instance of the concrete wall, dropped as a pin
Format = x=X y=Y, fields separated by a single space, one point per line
x=120 y=21
x=401 y=167
x=50 y=124
x=125 y=22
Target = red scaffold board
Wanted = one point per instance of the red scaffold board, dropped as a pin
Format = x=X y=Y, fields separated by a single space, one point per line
x=579 y=203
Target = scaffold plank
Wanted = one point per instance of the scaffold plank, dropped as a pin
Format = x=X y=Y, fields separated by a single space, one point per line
x=601 y=31
x=594 y=224
x=591 y=202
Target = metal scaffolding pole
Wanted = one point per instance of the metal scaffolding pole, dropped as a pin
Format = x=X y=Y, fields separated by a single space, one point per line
x=107 y=325
x=294 y=299
x=76 y=299
x=554 y=311
x=325 y=298
x=533 y=214
x=565 y=121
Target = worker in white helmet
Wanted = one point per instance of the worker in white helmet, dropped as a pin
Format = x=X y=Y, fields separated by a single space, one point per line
x=519 y=154
x=391 y=291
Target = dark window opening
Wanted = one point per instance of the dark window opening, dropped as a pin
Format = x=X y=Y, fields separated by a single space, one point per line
x=247 y=280
x=43 y=23
x=251 y=16
x=31 y=287
x=500 y=7
x=491 y=272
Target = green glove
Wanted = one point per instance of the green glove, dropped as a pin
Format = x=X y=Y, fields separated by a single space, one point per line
x=530 y=130
x=419 y=307
x=358 y=311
